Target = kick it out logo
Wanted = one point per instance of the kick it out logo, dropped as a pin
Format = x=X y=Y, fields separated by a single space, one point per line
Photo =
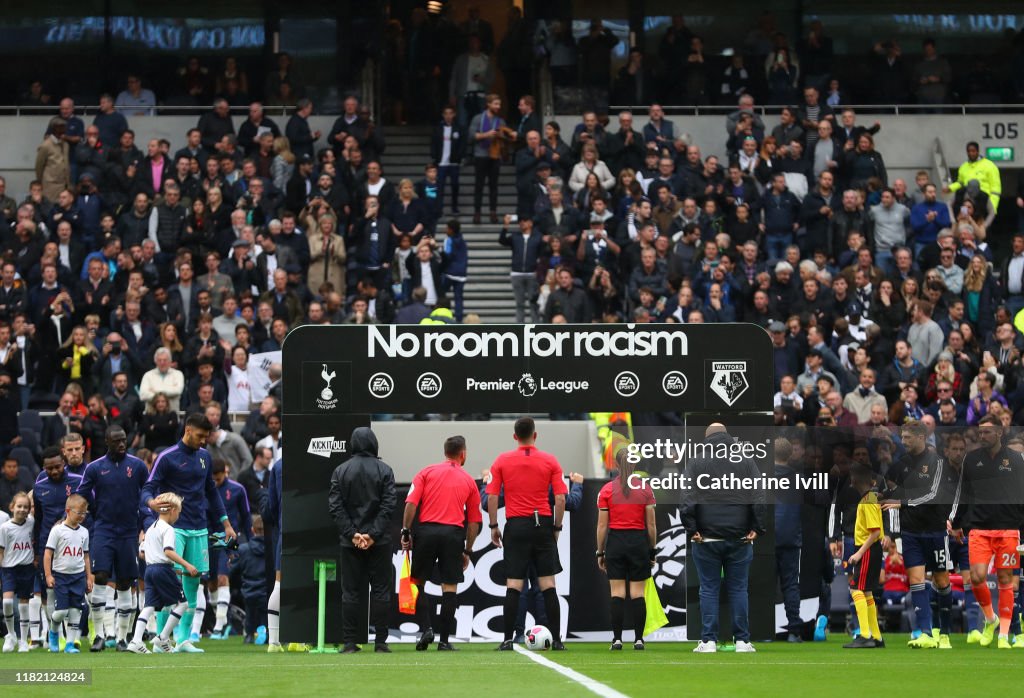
x=729 y=381
x=326 y=399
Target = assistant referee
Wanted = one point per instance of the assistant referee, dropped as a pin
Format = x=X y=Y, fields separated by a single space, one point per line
x=626 y=535
x=531 y=530
x=449 y=521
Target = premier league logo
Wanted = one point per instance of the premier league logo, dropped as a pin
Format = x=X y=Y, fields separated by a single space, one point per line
x=729 y=381
x=527 y=385
x=327 y=401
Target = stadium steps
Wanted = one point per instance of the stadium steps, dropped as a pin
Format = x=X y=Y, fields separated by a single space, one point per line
x=488 y=291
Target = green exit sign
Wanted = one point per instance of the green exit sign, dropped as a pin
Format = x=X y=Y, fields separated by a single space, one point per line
x=999 y=154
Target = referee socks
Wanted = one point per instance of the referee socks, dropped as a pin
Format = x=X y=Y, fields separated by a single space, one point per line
x=511 y=610
x=618 y=616
x=447 y=620
x=554 y=611
x=638 y=607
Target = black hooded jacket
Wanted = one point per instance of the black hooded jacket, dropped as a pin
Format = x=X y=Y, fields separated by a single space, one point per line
x=727 y=514
x=362 y=498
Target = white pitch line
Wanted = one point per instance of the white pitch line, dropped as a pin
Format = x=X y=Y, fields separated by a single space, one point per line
x=585 y=681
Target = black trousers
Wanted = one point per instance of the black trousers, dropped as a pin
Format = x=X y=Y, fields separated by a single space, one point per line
x=359 y=569
x=787 y=569
x=488 y=168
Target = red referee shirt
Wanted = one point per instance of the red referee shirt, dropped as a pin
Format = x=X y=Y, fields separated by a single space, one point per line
x=445 y=494
x=526 y=474
x=625 y=512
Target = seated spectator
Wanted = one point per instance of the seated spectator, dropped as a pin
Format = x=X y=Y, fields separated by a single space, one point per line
x=589 y=164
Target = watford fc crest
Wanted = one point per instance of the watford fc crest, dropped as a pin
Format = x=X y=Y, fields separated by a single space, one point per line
x=729 y=381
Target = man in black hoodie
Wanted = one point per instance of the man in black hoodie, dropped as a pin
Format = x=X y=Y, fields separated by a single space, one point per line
x=723 y=524
x=362 y=500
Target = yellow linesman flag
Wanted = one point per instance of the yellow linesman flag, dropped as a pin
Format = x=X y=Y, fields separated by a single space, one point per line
x=407 y=590
x=656 y=617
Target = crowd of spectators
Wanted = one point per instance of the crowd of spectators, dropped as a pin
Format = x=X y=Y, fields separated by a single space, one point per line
x=882 y=297
x=138 y=280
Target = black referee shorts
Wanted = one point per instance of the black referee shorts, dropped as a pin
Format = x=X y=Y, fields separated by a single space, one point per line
x=627 y=555
x=441 y=546
x=525 y=542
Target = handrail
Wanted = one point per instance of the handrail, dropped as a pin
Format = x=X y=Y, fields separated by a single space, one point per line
x=939 y=163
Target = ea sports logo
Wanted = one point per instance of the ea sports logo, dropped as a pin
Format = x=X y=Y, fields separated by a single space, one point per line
x=527 y=385
x=674 y=383
x=627 y=384
x=381 y=385
x=428 y=385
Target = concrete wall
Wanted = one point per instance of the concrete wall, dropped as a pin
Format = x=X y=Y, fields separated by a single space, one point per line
x=408 y=447
x=905 y=141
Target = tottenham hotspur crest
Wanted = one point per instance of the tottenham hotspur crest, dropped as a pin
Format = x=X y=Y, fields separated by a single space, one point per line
x=326 y=400
x=527 y=385
x=729 y=381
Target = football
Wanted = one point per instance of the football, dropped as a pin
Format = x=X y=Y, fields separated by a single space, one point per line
x=538 y=638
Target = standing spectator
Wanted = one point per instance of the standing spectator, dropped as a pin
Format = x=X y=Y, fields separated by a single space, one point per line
x=472 y=77
x=163 y=379
x=674 y=50
x=889 y=74
x=483 y=130
x=817 y=57
x=525 y=248
x=635 y=83
x=111 y=123
x=596 y=61
x=481 y=28
x=254 y=127
x=326 y=253
x=781 y=211
x=932 y=76
x=927 y=219
x=283 y=84
x=813 y=113
x=890 y=221
x=723 y=527
x=446 y=150
x=624 y=149
x=977 y=168
x=214 y=125
x=136 y=100
x=925 y=335
x=658 y=129
x=789 y=535
x=454 y=265
x=299 y=135
x=159 y=425
x=53 y=160
x=782 y=72
x=515 y=56
x=362 y=499
x=1012 y=276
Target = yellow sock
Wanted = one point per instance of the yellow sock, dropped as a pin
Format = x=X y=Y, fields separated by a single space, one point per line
x=876 y=632
x=863 y=616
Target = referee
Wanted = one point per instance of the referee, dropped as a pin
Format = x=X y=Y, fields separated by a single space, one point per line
x=531 y=531
x=449 y=521
x=626 y=535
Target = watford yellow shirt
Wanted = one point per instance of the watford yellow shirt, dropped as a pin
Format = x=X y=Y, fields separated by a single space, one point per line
x=869 y=517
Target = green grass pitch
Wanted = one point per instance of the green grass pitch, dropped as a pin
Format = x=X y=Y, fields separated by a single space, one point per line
x=229 y=668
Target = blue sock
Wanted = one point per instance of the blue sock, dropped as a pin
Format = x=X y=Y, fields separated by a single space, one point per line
x=922 y=607
x=945 y=608
x=971 y=610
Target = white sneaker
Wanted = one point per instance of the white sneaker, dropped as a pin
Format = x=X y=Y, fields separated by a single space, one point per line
x=23 y=647
x=742 y=646
x=10 y=643
x=162 y=646
x=188 y=647
x=706 y=647
x=137 y=648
